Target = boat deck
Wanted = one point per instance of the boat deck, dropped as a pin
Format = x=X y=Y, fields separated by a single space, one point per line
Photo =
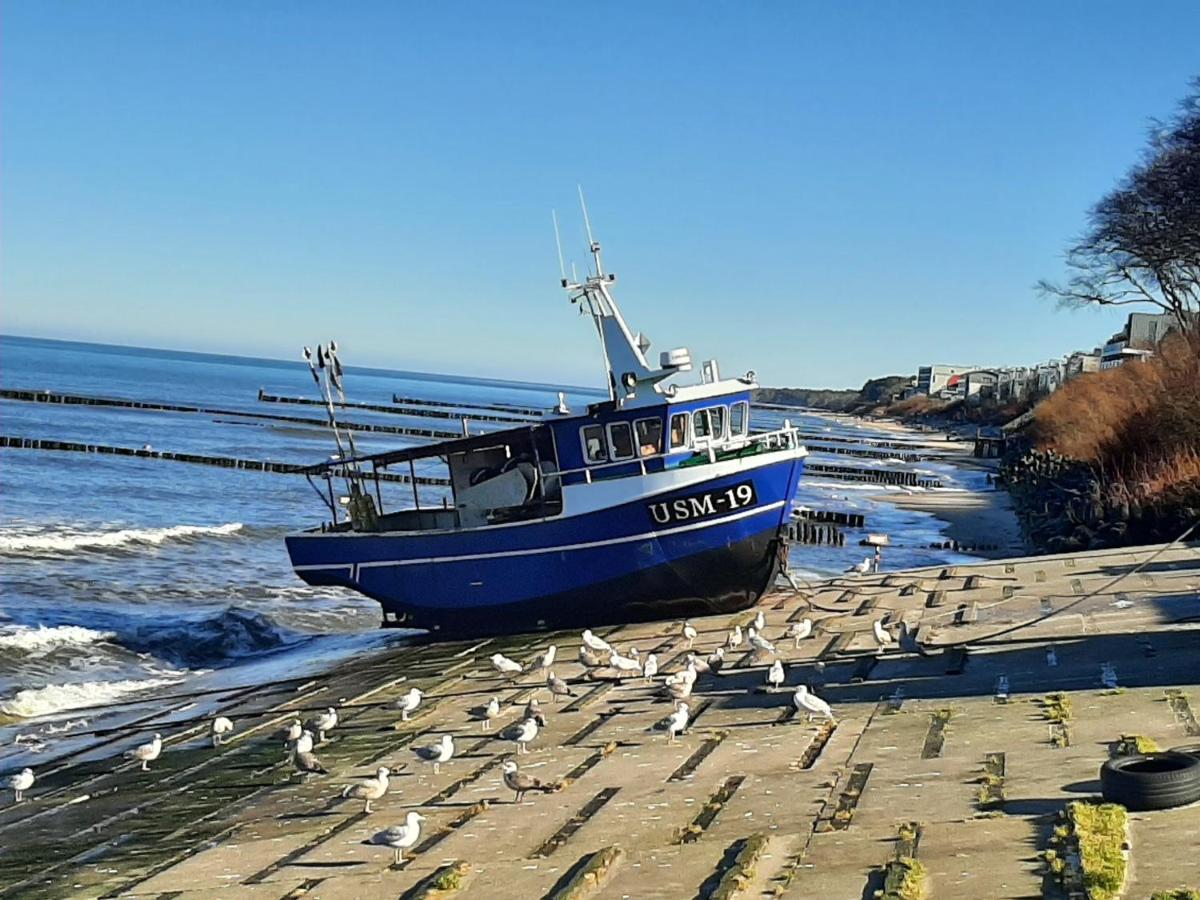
x=816 y=810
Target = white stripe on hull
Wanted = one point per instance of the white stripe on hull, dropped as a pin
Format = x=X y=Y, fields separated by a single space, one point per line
x=535 y=551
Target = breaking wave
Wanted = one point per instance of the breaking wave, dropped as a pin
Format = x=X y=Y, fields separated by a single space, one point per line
x=33 y=702
x=232 y=634
x=67 y=540
x=39 y=638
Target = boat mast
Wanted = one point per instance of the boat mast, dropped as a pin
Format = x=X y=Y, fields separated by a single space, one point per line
x=630 y=375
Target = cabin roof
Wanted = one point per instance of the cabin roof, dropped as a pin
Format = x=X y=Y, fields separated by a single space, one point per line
x=454 y=445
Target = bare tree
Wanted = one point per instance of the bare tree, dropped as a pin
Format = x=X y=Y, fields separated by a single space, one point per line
x=1142 y=243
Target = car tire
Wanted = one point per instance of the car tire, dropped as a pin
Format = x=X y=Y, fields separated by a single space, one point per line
x=1189 y=749
x=1145 y=781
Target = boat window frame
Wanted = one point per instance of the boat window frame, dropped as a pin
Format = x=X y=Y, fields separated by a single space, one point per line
x=742 y=407
x=637 y=438
x=612 y=444
x=696 y=435
x=685 y=438
x=583 y=439
x=718 y=434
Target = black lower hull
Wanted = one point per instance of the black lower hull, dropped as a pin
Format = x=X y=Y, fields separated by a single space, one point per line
x=725 y=580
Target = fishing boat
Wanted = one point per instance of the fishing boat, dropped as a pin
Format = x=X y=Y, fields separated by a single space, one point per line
x=658 y=502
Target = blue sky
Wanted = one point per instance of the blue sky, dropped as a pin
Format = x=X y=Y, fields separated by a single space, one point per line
x=820 y=191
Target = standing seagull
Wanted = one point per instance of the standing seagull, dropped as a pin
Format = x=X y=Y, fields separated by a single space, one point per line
x=735 y=638
x=558 y=687
x=595 y=643
x=400 y=837
x=221 y=726
x=437 y=753
x=293 y=733
x=716 y=660
x=863 y=567
x=408 y=703
x=547 y=658
x=146 y=753
x=676 y=722
x=522 y=733
x=760 y=621
x=758 y=642
x=775 y=674
x=520 y=783
x=650 y=667
x=509 y=668
x=798 y=631
x=624 y=663
x=485 y=714
x=323 y=723
x=883 y=637
x=369 y=788
x=689 y=633
x=810 y=704
x=302 y=744
x=20 y=783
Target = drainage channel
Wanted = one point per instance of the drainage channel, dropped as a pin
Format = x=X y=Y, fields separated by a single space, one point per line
x=1183 y=712
x=849 y=798
x=817 y=745
x=693 y=831
x=307 y=847
x=702 y=753
x=434 y=839
x=583 y=733
x=935 y=737
x=573 y=824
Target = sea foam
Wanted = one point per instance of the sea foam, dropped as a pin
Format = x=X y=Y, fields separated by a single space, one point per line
x=39 y=638
x=33 y=702
x=67 y=540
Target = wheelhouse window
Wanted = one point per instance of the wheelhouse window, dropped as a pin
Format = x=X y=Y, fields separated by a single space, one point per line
x=738 y=419
x=620 y=437
x=649 y=436
x=701 y=424
x=717 y=414
x=595 y=445
x=679 y=430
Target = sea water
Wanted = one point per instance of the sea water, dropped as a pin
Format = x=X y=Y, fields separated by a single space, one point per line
x=125 y=578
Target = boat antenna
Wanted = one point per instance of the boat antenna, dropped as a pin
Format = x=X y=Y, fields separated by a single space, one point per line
x=562 y=269
x=593 y=247
x=335 y=376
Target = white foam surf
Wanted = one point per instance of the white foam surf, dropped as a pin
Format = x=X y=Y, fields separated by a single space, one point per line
x=67 y=540
x=39 y=638
x=33 y=702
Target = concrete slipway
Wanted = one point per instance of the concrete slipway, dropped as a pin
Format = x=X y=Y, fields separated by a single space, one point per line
x=915 y=727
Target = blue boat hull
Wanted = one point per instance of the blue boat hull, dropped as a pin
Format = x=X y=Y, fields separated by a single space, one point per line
x=612 y=565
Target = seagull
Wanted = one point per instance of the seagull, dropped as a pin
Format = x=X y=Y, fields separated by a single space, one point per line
x=700 y=665
x=533 y=710
x=676 y=722
x=775 y=674
x=485 y=714
x=589 y=659
x=687 y=676
x=760 y=621
x=368 y=789
x=624 y=663
x=20 y=783
x=221 y=726
x=716 y=661
x=400 y=837
x=326 y=721
x=596 y=643
x=861 y=568
x=758 y=642
x=509 y=668
x=519 y=783
x=523 y=733
x=798 y=631
x=408 y=703
x=689 y=633
x=735 y=638
x=302 y=744
x=650 y=667
x=147 y=753
x=883 y=637
x=437 y=753
x=306 y=764
x=558 y=687
x=810 y=704
x=547 y=658
x=293 y=733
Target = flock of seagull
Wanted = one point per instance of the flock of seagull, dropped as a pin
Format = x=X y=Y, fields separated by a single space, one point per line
x=595 y=653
